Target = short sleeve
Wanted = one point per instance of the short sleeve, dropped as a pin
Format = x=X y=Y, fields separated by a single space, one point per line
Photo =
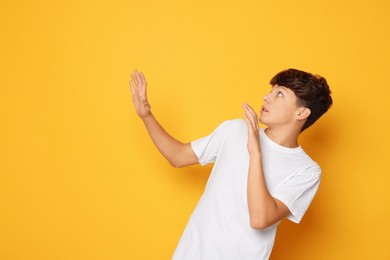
x=298 y=191
x=207 y=148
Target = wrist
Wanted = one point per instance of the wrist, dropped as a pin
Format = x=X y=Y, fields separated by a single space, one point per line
x=147 y=116
x=255 y=154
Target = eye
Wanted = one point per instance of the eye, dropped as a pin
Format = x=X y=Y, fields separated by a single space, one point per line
x=280 y=94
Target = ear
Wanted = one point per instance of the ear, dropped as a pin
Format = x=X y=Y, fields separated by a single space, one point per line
x=303 y=113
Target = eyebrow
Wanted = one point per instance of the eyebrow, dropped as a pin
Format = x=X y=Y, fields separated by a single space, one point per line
x=280 y=87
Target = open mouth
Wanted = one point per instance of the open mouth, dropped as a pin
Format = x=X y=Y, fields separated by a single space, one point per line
x=263 y=109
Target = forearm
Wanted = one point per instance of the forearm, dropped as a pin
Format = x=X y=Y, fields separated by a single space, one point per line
x=260 y=202
x=168 y=146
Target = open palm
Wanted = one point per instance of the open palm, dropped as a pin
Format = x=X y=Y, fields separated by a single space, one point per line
x=138 y=90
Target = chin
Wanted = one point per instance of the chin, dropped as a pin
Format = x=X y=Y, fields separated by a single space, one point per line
x=264 y=122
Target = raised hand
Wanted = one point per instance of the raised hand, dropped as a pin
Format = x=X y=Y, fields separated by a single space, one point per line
x=253 y=129
x=138 y=90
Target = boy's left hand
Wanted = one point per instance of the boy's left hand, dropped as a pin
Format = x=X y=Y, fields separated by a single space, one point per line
x=253 y=129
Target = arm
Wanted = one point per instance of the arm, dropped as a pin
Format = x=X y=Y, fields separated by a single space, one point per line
x=177 y=153
x=264 y=210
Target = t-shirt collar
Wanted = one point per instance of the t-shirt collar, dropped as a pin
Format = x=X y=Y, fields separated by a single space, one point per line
x=278 y=146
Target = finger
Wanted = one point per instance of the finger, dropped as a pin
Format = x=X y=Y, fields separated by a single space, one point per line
x=132 y=87
x=250 y=125
x=250 y=108
x=138 y=77
x=252 y=117
x=252 y=111
x=135 y=79
x=143 y=77
x=249 y=120
x=142 y=81
x=246 y=107
x=246 y=119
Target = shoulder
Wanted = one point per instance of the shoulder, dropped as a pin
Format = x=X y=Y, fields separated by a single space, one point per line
x=234 y=124
x=313 y=169
x=232 y=128
x=308 y=164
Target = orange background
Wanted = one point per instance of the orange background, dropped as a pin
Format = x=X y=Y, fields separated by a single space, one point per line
x=79 y=176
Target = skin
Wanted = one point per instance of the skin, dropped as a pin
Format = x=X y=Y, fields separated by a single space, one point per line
x=177 y=153
x=284 y=119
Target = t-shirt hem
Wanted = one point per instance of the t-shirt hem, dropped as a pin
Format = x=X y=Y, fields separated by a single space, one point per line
x=197 y=153
x=293 y=213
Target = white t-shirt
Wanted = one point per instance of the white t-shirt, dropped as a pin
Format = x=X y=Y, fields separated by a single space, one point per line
x=219 y=227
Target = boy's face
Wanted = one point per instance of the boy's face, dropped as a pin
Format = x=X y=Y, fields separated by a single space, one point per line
x=280 y=107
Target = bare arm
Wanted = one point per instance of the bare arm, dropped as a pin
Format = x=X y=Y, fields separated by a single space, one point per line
x=177 y=153
x=264 y=210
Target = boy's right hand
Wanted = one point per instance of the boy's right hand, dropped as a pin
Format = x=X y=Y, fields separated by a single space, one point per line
x=138 y=91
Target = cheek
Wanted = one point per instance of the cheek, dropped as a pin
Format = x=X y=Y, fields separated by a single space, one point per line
x=287 y=111
x=291 y=106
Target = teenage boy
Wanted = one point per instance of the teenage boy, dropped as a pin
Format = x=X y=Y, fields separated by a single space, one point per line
x=260 y=175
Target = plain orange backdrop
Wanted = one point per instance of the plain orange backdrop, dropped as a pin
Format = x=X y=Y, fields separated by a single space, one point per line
x=79 y=176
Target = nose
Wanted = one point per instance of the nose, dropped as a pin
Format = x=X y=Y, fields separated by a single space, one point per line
x=266 y=98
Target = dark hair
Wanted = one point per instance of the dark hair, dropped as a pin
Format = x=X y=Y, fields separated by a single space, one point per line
x=312 y=91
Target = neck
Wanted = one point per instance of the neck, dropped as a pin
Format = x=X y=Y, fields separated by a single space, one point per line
x=284 y=137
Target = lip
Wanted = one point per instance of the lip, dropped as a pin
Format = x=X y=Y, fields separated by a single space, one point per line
x=264 y=109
